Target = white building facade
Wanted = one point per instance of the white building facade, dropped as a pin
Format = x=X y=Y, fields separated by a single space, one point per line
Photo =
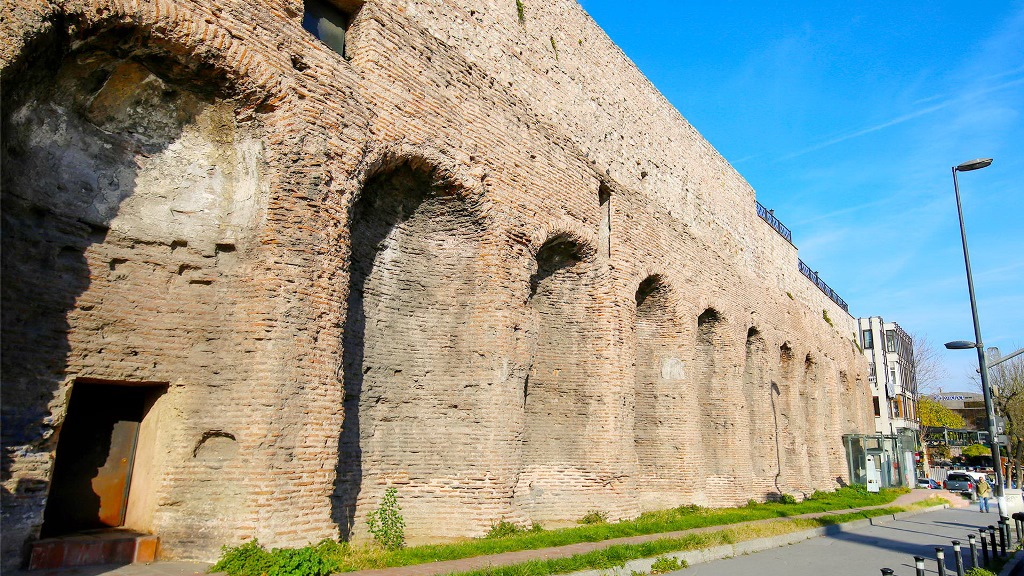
x=890 y=352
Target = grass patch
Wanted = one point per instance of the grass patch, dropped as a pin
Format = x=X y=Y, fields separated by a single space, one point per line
x=616 y=556
x=928 y=503
x=508 y=538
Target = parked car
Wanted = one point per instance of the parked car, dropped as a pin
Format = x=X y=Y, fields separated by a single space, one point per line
x=928 y=484
x=959 y=482
x=977 y=476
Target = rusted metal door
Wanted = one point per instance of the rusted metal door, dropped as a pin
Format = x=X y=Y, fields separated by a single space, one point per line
x=112 y=479
x=95 y=453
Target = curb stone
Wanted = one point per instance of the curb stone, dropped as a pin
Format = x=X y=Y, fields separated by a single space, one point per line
x=704 y=555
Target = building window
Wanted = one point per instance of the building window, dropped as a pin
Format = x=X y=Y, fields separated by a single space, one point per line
x=871 y=370
x=878 y=409
x=329 y=21
x=890 y=341
x=869 y=342
x=892 y=376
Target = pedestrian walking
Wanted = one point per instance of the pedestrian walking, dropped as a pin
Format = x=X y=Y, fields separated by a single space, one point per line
x=984 y=490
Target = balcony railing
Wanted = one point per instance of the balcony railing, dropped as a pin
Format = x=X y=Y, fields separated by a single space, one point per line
x=813 y=277
x=769 y=217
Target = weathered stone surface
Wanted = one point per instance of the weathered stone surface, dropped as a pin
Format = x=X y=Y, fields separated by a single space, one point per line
x=478 y=259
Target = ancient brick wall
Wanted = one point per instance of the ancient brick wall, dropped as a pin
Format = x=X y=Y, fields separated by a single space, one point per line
x=478 y=258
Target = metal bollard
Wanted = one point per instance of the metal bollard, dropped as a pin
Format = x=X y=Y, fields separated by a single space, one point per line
x=958 y=557
x=940 y=559
x=973 y=541
x=984 y=548
x=1018 y=525
x=886 y=571
x=992 y=541
x=1002 y=536
x=919 y=564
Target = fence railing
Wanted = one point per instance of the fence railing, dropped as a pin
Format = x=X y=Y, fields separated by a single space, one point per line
x=813 y=277
x=769 y=217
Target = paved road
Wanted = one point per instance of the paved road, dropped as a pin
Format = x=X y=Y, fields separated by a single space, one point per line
x=863 y=551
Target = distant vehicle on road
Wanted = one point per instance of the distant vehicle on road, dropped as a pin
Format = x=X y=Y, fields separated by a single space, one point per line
x=928 y=484
x=959 y=482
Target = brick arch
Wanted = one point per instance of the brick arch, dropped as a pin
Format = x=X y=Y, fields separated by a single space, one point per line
x=456 y=178
x=665 y=438
x=790 y=419
x=107 y=109
x=759 y=398
x=167 y=36
x=714 y=410
x=417 y=337
x=814 y=399
x=558 y=397
x=580 y=237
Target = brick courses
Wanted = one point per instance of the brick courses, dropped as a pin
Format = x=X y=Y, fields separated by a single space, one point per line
x=469 y=261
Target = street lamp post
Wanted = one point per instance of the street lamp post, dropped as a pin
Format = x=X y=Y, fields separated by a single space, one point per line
x=990 y=414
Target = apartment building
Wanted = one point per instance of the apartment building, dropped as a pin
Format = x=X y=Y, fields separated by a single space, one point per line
x=890 y=353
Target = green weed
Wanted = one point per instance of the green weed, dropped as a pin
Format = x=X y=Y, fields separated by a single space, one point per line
x=594 y=517
x=386 y=522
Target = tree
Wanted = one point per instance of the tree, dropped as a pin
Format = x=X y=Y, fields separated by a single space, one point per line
x=928 y=370
x=935 y=415
x=1006 y=381
x=976 y=450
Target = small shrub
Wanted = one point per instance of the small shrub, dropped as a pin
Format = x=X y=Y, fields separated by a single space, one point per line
x=252 y=559
x=249 y=558
x=536 y=527
x=790 y=294
x=521 y=11
x=979 y=572
x=824 y=316
x=386 y=523
x=787 y=499
x=594 y=517
x=503 y=528
x=666 y=564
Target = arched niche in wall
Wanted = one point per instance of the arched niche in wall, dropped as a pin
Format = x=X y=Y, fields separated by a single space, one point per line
x=716 y=423
x=816 y=434
x=418 y=331
x=131 y=189
x=757 y=391
x=789 y=475
x=556 y=393
x=664 y=414
x=852 y=404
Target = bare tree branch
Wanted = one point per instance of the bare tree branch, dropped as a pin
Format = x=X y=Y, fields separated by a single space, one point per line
x=927 y=365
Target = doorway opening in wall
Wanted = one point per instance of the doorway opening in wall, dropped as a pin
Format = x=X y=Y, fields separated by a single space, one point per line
x=103 y=472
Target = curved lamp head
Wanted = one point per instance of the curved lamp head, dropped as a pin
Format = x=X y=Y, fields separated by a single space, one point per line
x=973 y=165
x=960 y=345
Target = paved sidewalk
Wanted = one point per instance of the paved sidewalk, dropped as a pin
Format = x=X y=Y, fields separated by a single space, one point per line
x=465 y=564
x=860 y=550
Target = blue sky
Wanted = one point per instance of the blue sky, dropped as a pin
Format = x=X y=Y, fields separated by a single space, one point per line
x=846 y=118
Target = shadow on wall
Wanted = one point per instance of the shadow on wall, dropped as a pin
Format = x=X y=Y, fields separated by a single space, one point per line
x=74 y=126
x=374 y=216
x=413 y=275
